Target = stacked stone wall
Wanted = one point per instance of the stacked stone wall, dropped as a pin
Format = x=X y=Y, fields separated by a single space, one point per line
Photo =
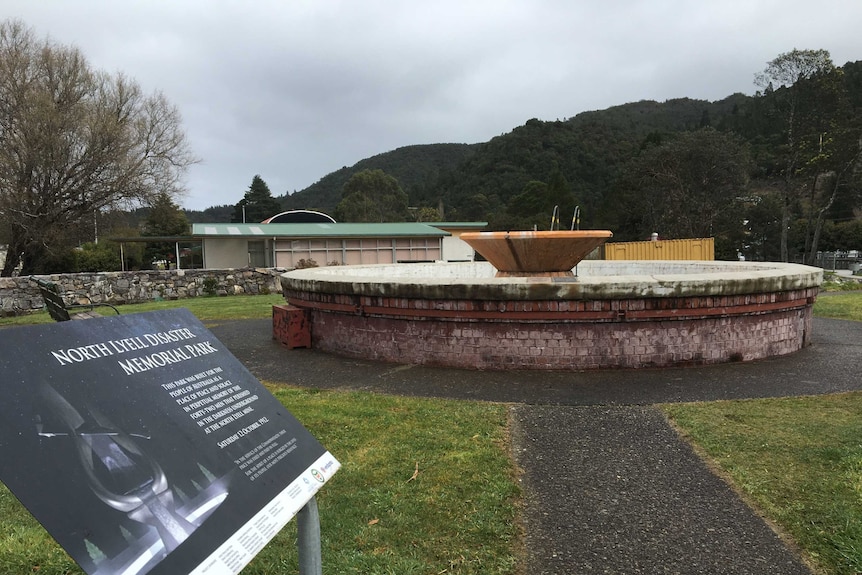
x=21 y=295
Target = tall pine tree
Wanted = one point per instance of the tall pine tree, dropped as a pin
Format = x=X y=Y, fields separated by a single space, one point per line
x=257 y=205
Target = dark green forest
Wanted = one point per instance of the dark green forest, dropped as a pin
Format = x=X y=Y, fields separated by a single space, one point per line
x=418 y=170
x=741 y=169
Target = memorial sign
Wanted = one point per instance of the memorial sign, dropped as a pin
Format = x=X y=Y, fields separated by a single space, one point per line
x=143 y=446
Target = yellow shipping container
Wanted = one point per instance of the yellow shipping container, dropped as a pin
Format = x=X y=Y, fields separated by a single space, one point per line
x=687 y=249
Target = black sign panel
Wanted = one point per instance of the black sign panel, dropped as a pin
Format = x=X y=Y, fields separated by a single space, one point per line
x=143 y=446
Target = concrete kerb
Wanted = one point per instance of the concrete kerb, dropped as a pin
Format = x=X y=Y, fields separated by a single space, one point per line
x=596 y=279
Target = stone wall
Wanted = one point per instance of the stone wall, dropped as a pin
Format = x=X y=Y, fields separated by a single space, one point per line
x=20 y=294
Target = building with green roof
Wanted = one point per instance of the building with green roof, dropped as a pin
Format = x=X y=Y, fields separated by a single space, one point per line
x=291 y=245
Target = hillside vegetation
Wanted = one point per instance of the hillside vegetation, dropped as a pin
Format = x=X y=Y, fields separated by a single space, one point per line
x=417 y=168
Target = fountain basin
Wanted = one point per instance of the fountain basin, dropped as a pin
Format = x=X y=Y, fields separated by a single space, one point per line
x=536 y=253
x=615 y=314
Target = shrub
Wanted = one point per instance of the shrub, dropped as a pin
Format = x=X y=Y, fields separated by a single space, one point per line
x=103 y=257
x=303 y=264
x=210 y=286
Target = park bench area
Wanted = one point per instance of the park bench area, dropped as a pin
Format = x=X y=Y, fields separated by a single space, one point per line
x=60 y=310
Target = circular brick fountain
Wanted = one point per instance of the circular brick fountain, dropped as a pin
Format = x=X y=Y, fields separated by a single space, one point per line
x=613 y=315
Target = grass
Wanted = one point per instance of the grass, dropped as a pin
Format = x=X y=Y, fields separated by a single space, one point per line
x=458 y=516
x=843 y=305
x=835 y=282
x=798 y=460
x=209 y=309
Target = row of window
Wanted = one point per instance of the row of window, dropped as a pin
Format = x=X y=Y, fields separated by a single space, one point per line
x=321 y=252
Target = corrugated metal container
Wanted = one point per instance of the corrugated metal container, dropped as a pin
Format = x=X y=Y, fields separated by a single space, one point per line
x=687 y=249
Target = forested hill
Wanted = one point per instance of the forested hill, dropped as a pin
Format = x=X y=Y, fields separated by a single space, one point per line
x=416 y=168
x=473 y=179
x=579 y=159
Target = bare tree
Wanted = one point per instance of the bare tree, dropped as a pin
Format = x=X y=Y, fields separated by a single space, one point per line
x=74 y=141
x=789 y=73
x=831 y=170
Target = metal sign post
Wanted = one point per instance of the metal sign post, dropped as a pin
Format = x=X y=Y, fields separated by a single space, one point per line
x=308 y=539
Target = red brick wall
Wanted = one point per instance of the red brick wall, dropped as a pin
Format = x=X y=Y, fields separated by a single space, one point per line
x=626 y=333
x=484 y=345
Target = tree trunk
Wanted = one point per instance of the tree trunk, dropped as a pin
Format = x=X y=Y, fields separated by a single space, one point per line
x=811 y=216
x=815 y=239
x=33 y=259
x=785 y=225
x=818 y=224
x=13 y=258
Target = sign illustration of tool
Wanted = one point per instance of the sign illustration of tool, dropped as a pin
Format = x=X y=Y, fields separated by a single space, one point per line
x=144 y=447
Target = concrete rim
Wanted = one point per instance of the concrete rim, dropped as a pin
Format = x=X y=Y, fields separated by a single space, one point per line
x=596 y=279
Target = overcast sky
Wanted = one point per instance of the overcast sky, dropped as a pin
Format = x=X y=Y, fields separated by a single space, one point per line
x=295 y=89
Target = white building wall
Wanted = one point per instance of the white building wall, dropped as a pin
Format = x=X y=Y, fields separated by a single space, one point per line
x=222 y=253
x=455 y=249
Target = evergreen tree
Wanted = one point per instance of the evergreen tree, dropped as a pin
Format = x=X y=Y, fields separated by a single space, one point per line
x=372 y=196
x=426 y=214
x=257 y=205
x=165 y=218
x=790 y=83
x=690 y=186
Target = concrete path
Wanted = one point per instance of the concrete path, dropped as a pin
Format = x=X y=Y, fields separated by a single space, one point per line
x=609 y=486
x=614 y=490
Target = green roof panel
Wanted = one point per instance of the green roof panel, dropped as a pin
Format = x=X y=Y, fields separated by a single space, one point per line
x=459 y=225
x=400 y=229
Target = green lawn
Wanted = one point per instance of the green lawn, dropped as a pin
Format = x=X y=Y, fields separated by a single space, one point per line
x=839 y=305
x=798 y=460
x=209 y=309
x=459 y=514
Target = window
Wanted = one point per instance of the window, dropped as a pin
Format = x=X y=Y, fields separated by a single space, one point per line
x=257 y=254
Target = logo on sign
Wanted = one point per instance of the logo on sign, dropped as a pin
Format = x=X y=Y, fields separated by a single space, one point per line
x=317 y=475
